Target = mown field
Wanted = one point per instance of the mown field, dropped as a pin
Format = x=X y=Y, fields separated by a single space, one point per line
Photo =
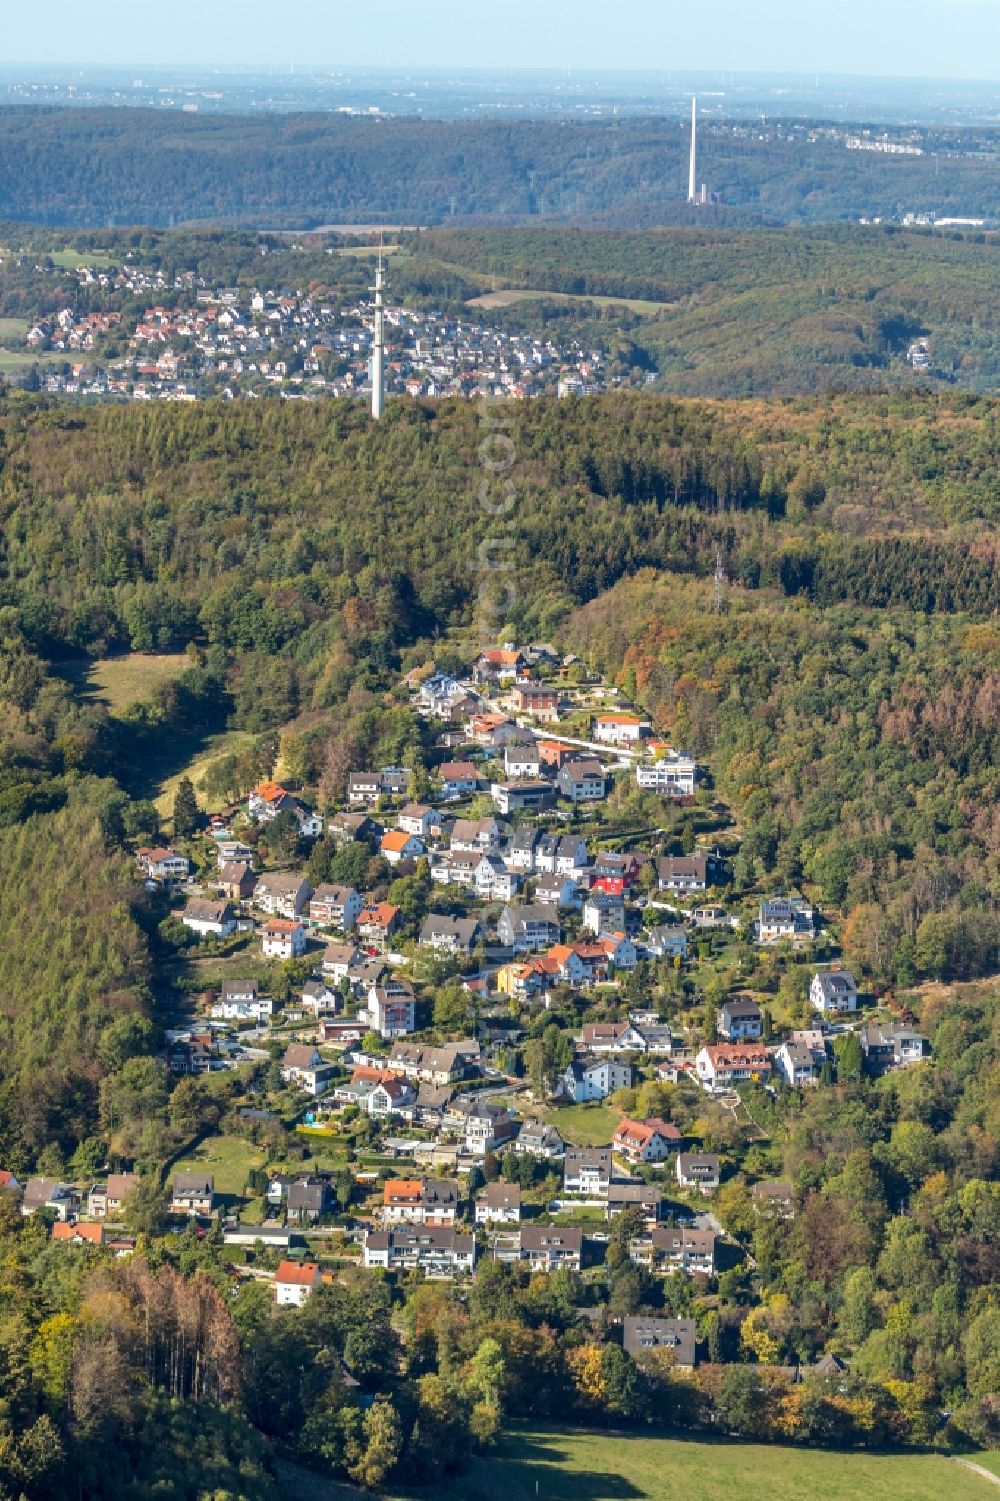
x=562 y=1465
x=585 y=1125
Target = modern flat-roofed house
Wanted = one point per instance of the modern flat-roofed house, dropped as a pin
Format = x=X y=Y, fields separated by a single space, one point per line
x=698 y=1170
x=294 y=1281
x=679 y=1337
x=192 y=1193
x=673 y=775
x=521 y=797
x=392 y=1008
x=833 y=990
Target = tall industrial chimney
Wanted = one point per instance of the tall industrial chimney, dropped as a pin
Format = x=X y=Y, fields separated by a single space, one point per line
x=693 y=172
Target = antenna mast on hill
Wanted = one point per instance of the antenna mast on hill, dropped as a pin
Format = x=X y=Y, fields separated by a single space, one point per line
x=720 y=580
x=693 y=169
x=378 y=341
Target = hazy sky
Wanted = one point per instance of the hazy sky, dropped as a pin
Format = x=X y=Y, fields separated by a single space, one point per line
x=922 y=38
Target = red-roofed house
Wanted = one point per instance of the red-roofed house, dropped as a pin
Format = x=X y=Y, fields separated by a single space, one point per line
x=645 y=1141
x=294 y=1281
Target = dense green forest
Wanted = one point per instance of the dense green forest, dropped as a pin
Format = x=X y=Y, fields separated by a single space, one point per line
x=96 y=166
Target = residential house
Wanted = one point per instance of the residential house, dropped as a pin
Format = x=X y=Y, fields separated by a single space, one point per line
x=561 y=855
x=557 y=891
x=270 y=799
x=890 y=1045
x=396 y=845
x=475 y=836
x=834 y=990
x=209 y=918
x=594 y=1079
x=739 y=1020
x=192 y=1193
x=666 y=942
x=233 y=851
x=458 y=779
x=392 y=1008
x=443 y=1252
x=620 y=729
x=785 y=919
x=520 y=761
x=450 y=935
x=651 y=1140
x=107 y=1200
x=430 y=1065
x=79 y=1233
x=282 y=938
x=520 y=852
x=389 y=1096
x=240 y=1001
x=332 y=906
x=612 y=1037
x=774 y=1197
x=364 y=788
x=521 y=797
x=163 y=865
x=603 y=912
x=670 y=1248
x=394 y=781
x=588 y=1171
x=686 y=873
x=337 y=960
x=499 y=1204
x=528 y=929
x=237 y=881
x=677 y=1337
x=415 y=1201
x=484 y=1125
x=282 y=894
x=582 y=781
x=671 y=775
x=378 y=923
x=456 y=868
x=537 y=699
x=319 y=999
x=698 y=1170
x=798 y=1063
x=551 y=1248
x=614 y=874
x=537 y=1139
x=294 y=1281
x=499 y=665
x=47 y=1193
x=644 y=1198
x=419 y=819
x=308 y=1199
x=303 y=1067
x=493 y=881
x=724 y=1066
